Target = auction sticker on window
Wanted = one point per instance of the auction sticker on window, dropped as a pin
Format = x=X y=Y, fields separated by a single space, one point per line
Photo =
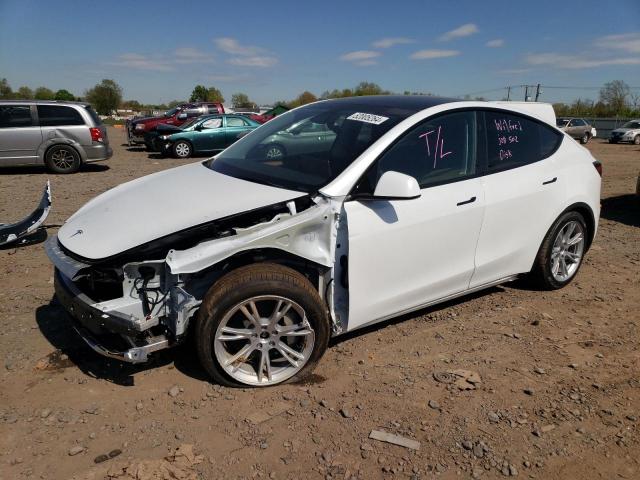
x=367 y=118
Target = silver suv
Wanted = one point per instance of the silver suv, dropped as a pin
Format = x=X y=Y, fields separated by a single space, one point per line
x=62 y=135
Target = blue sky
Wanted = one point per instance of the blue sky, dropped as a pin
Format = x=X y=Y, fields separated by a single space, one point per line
x=157 y=51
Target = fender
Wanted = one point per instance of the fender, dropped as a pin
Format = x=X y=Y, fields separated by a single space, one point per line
x=57 y=139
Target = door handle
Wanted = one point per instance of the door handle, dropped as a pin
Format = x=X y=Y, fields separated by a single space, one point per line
x=550 y=181
x=471 y=200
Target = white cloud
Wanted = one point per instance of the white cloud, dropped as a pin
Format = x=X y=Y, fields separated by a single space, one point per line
x=430 y=54
x=496 y=43
x=191 y=55
x=558 y=60
x=391 y=41
x=462 y=31
x=255 y=61
x=627 y=42
x=141 y=62
x=361 y=58
x=233 y=47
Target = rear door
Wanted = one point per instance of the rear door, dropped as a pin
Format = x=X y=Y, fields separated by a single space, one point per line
x=20 y=136
x=59 y=122
x=236 y=128
x=524 y=185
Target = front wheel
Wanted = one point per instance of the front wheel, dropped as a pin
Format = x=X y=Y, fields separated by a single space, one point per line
x=182 y=149
x=561 y=253
x=261 y=325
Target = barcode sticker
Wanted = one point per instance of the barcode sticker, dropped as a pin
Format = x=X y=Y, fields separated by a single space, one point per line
x=367 y=118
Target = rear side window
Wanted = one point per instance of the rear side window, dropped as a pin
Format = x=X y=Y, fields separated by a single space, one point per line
x=94 y=116
x=236 y=122
x=514 y=140
x=58 y=116
x=12 y=116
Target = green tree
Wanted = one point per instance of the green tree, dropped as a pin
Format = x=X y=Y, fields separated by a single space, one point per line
x=24 y=93
x=5 y=89
x=64 y=95
x=241 y=100
x=369 y=88
x=614 y=94
x=214 y=95
x=44 y=93
x=105 y=96
x=173 y=103
x=302 y=99
x=132 y=105
x=199 y=94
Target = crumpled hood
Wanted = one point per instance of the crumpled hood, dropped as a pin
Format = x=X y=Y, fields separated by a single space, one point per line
x=160 y=204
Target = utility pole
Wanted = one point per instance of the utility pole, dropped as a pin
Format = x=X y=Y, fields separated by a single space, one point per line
x=537 y=92
x=526 y=93
x=508 y=93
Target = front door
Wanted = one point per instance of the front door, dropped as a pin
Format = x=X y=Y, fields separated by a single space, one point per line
x=407 y=253
x=20 y=137
x=209 y=135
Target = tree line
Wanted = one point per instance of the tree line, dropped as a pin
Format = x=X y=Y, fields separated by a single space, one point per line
x=616 y=98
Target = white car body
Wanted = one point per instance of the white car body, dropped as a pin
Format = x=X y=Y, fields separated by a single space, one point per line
x=402 y=255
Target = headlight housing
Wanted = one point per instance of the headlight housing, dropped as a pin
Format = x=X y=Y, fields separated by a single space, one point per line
x=139 y=126
x=164 y=137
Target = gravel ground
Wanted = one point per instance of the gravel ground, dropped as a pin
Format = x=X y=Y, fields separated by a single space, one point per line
x=558 y=394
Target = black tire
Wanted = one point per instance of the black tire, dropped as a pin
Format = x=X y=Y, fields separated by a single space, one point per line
x=182 y=149
x=613 y=141
x=275 y=151
x=251 y=281
x=62 y=159
x=636 y=140
x=541 y=274
x=585 y=139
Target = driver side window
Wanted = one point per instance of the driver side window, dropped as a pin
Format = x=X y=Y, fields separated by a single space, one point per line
x=212 y=123
x=439 y=150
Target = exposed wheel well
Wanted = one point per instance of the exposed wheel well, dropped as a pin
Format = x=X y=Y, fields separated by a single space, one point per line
x=46 y=152
x=586 y=212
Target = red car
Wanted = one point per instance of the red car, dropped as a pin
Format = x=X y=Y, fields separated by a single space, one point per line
x=176 y=116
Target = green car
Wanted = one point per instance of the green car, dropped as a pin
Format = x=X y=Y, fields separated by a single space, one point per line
x=205 y=134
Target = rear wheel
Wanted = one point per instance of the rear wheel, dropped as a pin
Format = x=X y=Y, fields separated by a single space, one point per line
x=261 y=325
x=62 y=159
x=561 y=253
x=182 y=149
x=585 y=139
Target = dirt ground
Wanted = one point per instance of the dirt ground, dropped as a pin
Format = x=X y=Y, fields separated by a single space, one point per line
x=559 y=395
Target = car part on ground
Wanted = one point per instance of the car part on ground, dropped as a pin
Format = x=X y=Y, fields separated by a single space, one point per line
x=11 y=233
x=260 y=256
x=60 y=135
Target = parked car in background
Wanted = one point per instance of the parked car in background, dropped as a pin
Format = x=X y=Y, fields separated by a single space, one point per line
x=577 y=128
x=414 y=201
x=629 y=132
x=206 y=134
x=60 y=135
x=176 y=116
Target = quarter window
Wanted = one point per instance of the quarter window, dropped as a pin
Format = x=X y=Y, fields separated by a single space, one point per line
x=12 y=116
x=56 y=115
x=439 y=150
x=514 y=141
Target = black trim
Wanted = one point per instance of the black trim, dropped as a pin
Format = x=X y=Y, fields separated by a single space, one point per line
x=466 y=202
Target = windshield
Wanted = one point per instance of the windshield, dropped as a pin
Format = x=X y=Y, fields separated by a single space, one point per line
x=172 y=112
x=631 y=125
x=308 y=147
x=561 y=122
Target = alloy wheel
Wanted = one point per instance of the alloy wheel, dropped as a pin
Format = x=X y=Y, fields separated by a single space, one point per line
x=182 y=149
x=264 y=340
x=274 y=153
x=62 y=158
x=567 y=251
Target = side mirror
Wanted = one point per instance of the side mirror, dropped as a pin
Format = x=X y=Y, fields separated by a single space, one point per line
x=396 y=186
x=182 y=116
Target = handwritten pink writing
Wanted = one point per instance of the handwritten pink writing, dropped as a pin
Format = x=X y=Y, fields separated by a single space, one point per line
x=503 y=125
x=438 y=144
x=504 y=154
x=503 y=139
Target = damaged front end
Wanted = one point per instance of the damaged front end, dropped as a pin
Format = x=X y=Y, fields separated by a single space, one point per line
x=11 y=233
x=143 y=300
